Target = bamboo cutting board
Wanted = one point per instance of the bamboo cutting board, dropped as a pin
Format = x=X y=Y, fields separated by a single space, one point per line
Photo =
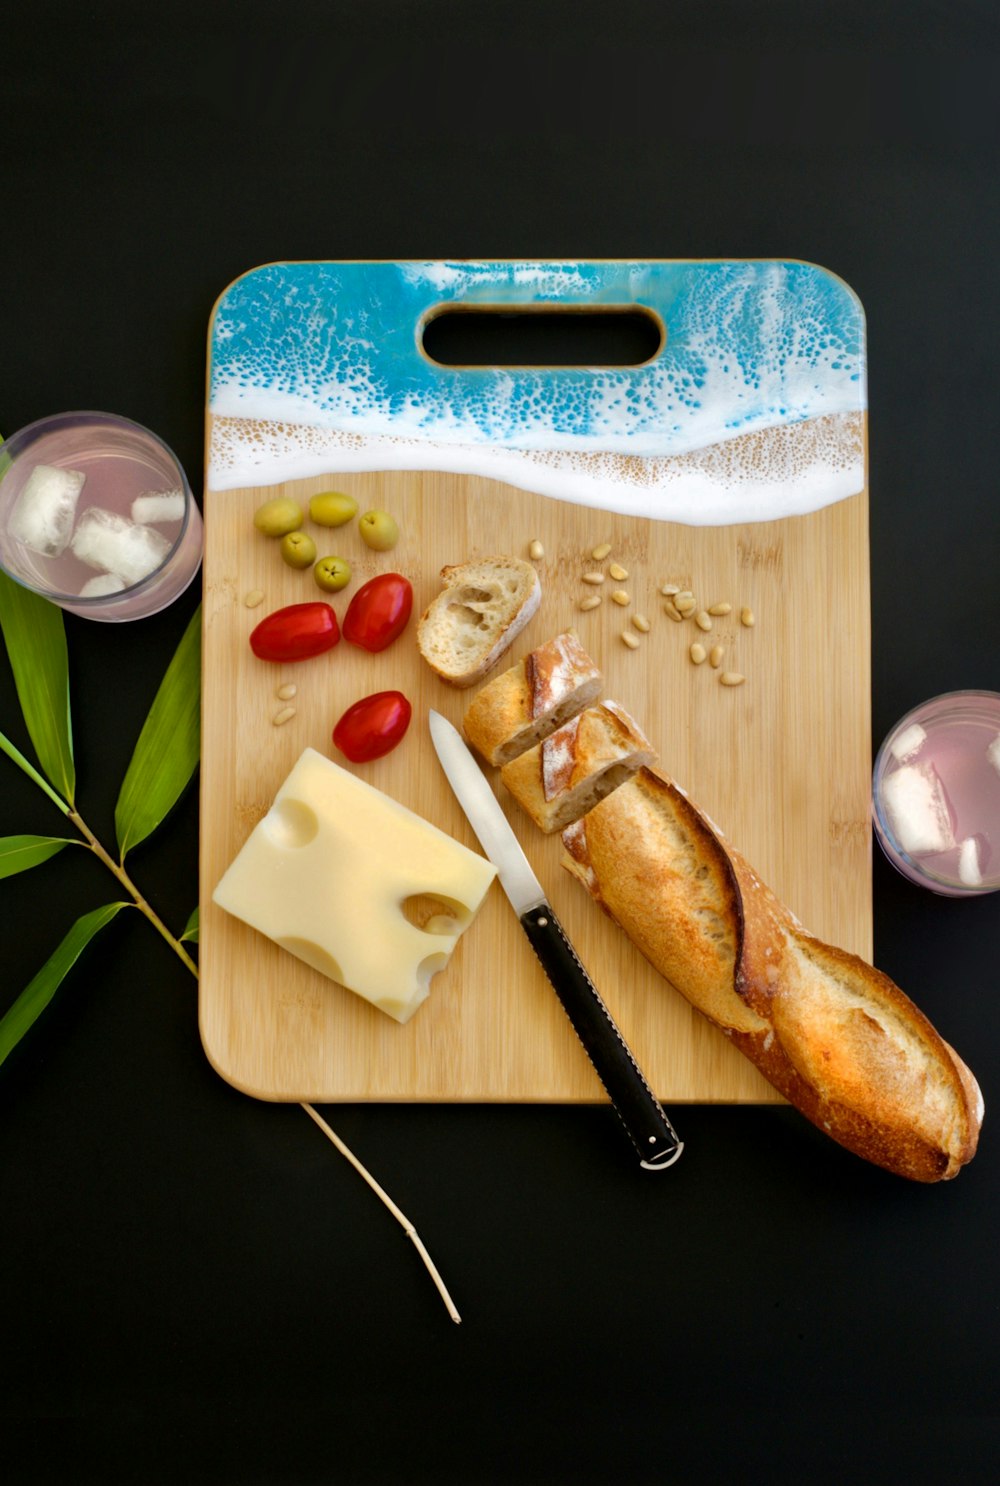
x=318 y=382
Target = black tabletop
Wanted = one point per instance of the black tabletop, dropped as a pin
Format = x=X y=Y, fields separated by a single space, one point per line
x=196 y=1287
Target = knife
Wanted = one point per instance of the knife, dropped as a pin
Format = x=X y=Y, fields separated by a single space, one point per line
x=646 y=1125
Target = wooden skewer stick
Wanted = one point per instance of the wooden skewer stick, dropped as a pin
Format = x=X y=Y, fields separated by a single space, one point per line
x=400 y=1217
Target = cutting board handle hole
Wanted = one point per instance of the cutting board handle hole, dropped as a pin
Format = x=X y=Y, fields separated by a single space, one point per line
x=596 y=336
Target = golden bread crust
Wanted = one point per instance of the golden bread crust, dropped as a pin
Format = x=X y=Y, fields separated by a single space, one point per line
x=562 y=778
x=526 y=703
x=835 y=1036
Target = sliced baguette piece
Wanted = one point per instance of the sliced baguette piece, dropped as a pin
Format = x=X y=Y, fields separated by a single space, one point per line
x=834 y=1035
x=566 y=775
x=481 y=610
x=526 y=703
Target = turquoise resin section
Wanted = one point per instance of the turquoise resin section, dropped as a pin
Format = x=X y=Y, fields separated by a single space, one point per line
x=749 y=346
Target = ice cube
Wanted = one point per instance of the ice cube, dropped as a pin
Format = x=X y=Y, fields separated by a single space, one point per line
x=158 y=506
x=99 y=587
x=968 y=862
x=43 y=516
x=918 y=809
x=105 y=540
x=909 y=742
x=993 y=753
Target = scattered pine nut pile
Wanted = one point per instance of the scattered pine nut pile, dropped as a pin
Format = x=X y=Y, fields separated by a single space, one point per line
x=680 y=605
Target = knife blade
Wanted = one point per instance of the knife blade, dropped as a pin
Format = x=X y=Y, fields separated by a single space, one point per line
x=651 y=1133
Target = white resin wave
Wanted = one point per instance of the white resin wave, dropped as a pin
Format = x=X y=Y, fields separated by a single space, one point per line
x=752 y=410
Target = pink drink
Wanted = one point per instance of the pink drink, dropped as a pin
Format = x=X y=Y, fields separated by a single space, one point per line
x=128 y=532
x=936 y=794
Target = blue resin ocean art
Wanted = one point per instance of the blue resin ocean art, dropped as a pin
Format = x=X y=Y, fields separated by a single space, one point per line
x=752 y=409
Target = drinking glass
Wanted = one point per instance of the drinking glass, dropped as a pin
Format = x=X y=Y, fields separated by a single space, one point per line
x=936 y=794
x=97 y=515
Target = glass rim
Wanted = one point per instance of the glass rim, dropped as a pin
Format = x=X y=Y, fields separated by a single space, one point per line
x=28 y=433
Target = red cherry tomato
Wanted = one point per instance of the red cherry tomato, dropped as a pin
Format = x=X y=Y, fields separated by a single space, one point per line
x=373 y=726
x=295 y=633
x=378 y=612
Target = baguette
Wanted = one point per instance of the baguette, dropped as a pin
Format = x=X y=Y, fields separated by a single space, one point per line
x=566 y=775
x=834 y=1035
x=481 y=610
x=526 y=703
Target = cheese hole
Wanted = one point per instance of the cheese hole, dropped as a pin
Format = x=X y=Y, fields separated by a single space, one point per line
x=434 y=915
x=430 y=967
x=312 y=954
x=291 y=823
x=442 y=923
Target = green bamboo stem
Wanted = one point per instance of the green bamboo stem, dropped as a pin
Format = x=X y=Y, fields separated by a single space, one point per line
x=130 y=887
x=17 y=757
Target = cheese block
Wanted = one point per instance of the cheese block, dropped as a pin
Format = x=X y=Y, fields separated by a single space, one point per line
x=333 y=872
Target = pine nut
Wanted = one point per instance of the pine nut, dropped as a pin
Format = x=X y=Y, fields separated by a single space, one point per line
x=254 y=597
x=670 y=608
x=536 y=550
x=590 y=602
x=732 y=678
x=617 y=572
x=601 y=552
x=641 y=623
x=697 y=653
x=715 y=655
x=747 y=617
x=620 y=597
x=720 y=608
x=287 y=691
x=593 y=577
x=685 y=602
x=702 y=620
x=669 y=589
x=285 y=715
x=630 y=640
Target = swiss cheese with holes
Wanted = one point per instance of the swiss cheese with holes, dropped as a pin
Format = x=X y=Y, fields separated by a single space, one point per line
x=328 y=874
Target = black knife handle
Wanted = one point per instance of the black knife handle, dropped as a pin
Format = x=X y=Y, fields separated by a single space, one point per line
x=639 y=1110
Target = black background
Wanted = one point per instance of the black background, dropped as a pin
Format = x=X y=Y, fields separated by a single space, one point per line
x=195 y=1288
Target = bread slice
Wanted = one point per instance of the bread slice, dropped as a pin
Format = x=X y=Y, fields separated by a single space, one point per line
x=566 y=775
x=481 y=610
x=532 y=699
x=834 y=1035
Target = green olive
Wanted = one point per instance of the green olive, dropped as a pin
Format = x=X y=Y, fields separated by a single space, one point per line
x=332 y=573
x=275 y=518
x=379 y=530
x=332 y=509
x=298 y=549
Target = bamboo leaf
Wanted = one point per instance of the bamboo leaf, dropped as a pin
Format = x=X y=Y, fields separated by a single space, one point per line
x=18 y=853
x=35 y=637
x=36 y=996
x=166 y=754
x=7 y=747
x=191 y=928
